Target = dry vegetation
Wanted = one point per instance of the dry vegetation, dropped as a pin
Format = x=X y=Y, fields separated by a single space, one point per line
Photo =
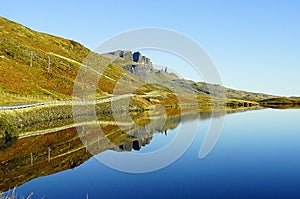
x=24 y=65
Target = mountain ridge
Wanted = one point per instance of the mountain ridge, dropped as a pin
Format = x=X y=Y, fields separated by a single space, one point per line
x=160 y=76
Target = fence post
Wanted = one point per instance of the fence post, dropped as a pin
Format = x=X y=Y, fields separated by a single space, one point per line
x=49 y=154
x=31 y=159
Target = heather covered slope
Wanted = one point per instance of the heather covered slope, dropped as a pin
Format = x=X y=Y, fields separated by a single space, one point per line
x=24 y=62
x=36 y=66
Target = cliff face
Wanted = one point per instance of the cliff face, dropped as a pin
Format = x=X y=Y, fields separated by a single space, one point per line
x=140 y=65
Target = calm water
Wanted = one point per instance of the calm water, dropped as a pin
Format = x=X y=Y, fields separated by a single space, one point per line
x=257 y=156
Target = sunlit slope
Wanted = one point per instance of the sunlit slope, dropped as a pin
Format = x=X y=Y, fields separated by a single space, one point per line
x=36 y=66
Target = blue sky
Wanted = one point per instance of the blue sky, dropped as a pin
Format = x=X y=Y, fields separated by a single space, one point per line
x=254 y=44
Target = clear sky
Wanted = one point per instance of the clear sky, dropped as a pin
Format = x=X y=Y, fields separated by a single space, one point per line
x=254 y=44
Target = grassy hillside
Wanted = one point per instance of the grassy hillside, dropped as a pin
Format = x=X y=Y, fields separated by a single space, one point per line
x=20 y=75
x=36 y=66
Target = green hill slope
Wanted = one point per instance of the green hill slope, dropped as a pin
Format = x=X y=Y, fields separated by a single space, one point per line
x=36 y=66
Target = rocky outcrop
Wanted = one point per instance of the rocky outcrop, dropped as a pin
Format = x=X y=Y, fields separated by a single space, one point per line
x=137 y=57
x=126 y=54
x=143 y=67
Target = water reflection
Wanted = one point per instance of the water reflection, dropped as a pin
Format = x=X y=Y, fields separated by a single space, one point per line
x=41 y=150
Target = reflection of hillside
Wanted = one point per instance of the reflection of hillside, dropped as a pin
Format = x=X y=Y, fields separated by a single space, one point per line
x=41 y=155
x=28 y=159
